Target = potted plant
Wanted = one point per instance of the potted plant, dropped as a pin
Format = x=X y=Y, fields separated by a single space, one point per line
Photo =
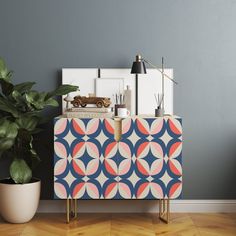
x=20 y=119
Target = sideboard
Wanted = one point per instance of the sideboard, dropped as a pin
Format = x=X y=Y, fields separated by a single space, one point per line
x=139 y=157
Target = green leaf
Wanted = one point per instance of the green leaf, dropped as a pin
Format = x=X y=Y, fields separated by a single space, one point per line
x=9 y=75
x=7 y=87
x=62 y=90
x=40 y=100
x=3 y=69
x=24 y=87
x=27 y=122
x=8 y=133
x=4 y=73
x=7 y=106
x=5 y=144
x=51 y=102
x=31 y=96
x=8 y=129
x=19 y=99
x=36 y=99
x=20 y=171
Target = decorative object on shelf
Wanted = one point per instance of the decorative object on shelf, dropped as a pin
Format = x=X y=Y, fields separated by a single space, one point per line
x=128 y=98
x=117 y=106
x=159 y=111
x=119 y=98
x=119 y=101
x=84 y=101
x=68 y=99
x=139 y=67
x=123 y=112
x=21 y=115
x=146 y=162
x=106 y=87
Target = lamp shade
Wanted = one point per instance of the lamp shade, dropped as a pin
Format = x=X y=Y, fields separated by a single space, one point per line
x=138 y=68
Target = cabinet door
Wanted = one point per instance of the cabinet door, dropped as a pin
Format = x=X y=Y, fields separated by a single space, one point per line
x=86 y=163
x=152 y=167
x=61 y=159
x=90 y=172
x=146 y=159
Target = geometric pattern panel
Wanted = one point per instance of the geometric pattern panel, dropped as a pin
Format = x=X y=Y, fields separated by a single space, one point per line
x=154 y=170
x=84 y=159
x=90 y=164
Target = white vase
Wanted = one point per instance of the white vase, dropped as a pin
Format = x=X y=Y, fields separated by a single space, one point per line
x=128 y=98
x=19 y=202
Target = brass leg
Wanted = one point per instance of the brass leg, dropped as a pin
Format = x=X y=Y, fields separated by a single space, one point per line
x=164 y=210
x=160 y=207
x=168 y=210
x=75 y=208
x=67 y=211
x=72 y=214
x=71 y=209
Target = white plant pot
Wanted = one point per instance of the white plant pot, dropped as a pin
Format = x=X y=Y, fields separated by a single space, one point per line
x=19 y=202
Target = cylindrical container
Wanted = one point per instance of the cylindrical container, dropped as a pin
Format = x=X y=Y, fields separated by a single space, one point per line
x=159 y=112
x=118 y=106
x=123 y=112
x=128 y=98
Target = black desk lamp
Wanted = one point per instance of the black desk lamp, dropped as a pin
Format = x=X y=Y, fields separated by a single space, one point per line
x=140 y=68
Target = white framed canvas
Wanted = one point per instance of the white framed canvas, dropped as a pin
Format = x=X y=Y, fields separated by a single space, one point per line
x=108 y=87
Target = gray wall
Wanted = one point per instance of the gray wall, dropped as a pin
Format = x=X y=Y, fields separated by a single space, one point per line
x=197 y=38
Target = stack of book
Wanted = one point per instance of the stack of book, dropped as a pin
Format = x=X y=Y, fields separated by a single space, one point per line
x=89 y=112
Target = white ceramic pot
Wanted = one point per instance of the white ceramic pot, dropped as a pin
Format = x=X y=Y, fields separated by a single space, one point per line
x=19 y=202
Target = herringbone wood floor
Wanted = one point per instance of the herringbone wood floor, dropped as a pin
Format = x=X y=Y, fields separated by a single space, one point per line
x=124 y=225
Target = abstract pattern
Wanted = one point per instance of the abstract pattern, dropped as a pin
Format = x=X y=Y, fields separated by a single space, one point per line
x=146 y=163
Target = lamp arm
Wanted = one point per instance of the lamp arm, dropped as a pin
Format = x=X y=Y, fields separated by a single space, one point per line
x=159 y=70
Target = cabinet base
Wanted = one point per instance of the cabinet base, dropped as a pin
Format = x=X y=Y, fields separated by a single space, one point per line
x=72 y=210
